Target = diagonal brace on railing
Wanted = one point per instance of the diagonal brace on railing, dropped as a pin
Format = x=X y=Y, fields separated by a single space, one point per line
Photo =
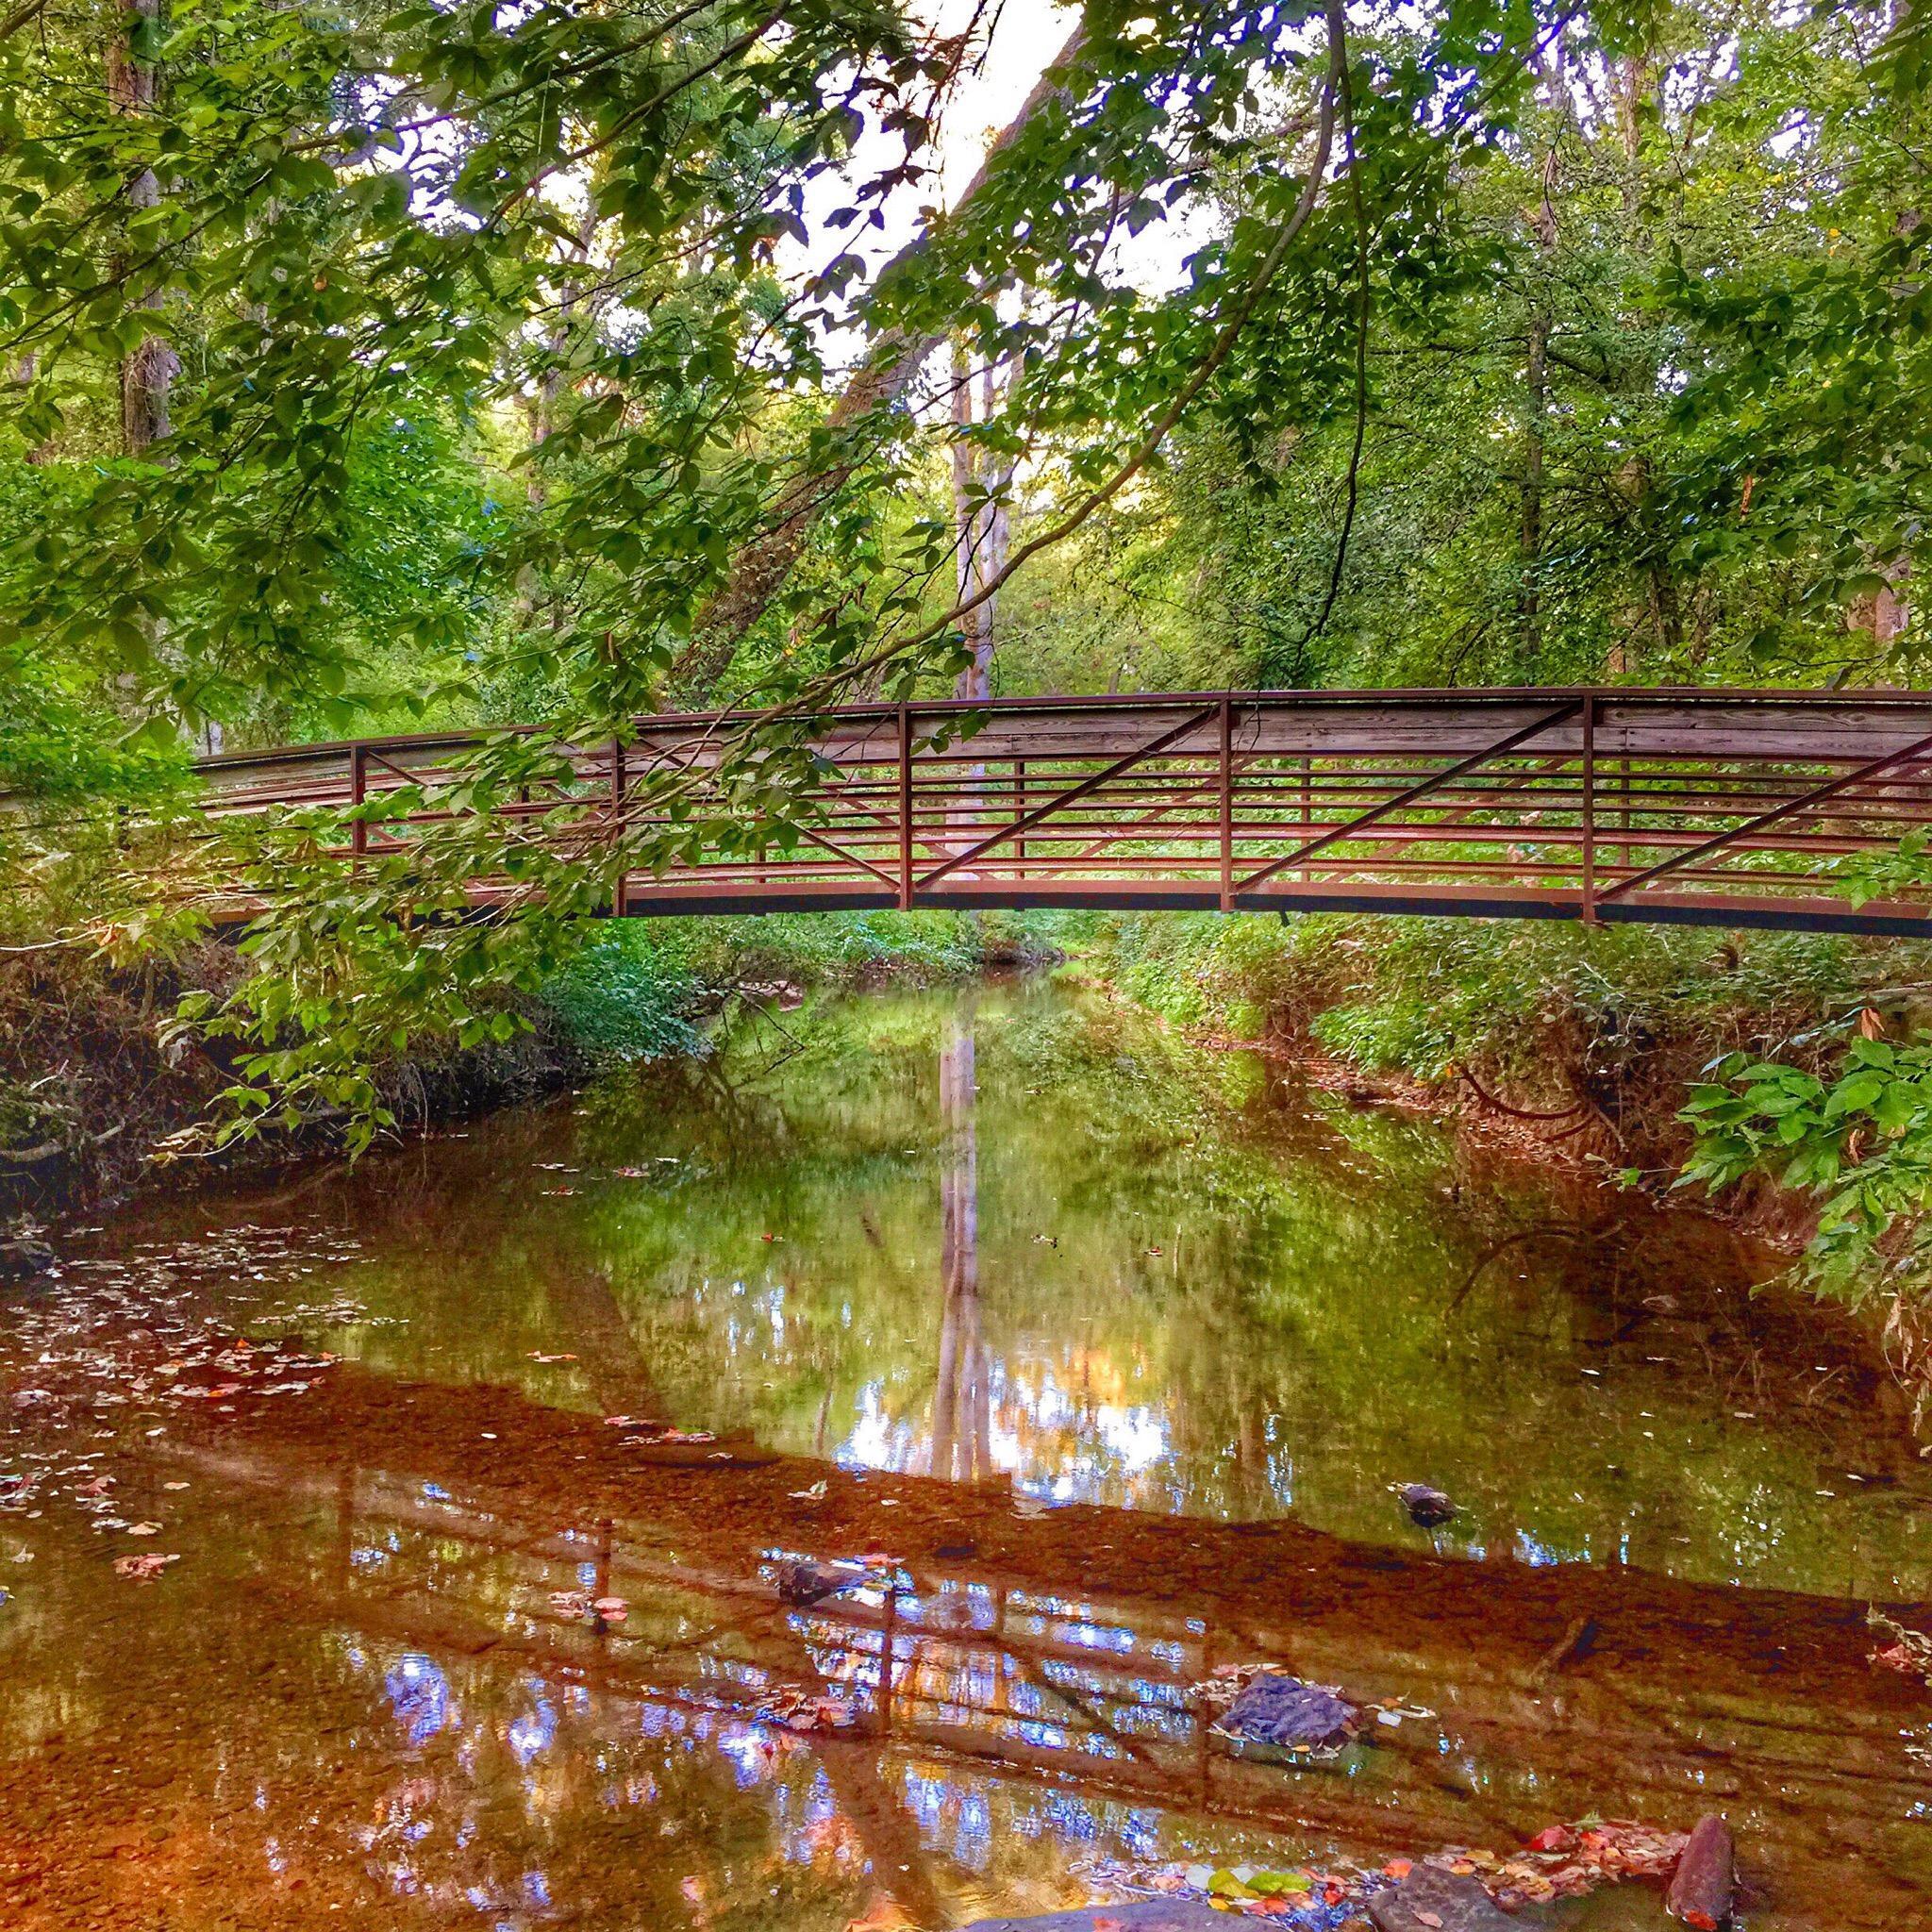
x=877 y=871
x=1432 y=783
x=1061 y=800
x=1919 y=748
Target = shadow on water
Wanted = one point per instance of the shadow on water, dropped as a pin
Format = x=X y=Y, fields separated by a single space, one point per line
x=1036 y=1250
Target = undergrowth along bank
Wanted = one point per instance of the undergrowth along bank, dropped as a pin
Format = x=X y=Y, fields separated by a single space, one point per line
x=641 y=989
x=1600 y=1034
x=93 y=1080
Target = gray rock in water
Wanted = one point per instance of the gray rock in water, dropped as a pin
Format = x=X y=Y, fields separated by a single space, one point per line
x=23 y=1257
x=1146 y=1915
x=1453 y=1905
x=1428 y=1509
x=1287 y=1713
x=805 y=1582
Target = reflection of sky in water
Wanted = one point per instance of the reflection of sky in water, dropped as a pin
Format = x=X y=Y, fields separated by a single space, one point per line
x=532 y=1734
x=509 y=1791
x=1112 y=1440
x=420 y=1693
x=962 y=1817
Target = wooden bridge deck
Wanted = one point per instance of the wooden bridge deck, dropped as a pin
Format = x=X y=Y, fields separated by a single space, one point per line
x=1719 y=808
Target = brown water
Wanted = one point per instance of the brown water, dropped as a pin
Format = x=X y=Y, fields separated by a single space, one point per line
x=1012 y=1238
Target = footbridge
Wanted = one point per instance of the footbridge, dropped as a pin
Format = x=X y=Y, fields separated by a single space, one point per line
x=1702 y=807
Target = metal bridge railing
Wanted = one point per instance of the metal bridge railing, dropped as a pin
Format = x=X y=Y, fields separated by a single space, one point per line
x=1690 y=806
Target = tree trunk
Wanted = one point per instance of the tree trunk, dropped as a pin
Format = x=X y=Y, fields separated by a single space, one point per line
x=763 y=564
x=993 y=564
x=1536 y=425
x=133 y=88
x=971 y=523
x=1884 y=612
x=1632 y=77
x=1653 y=599
x=542 y=406
x=24 y=375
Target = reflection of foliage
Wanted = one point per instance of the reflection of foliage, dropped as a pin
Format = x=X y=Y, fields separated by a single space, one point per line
x=1239 y=1305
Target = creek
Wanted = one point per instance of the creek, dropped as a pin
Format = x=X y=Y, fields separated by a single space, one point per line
x=1111 y=1350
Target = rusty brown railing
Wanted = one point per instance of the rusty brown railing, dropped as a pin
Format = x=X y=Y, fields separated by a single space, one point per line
x=1677 y=805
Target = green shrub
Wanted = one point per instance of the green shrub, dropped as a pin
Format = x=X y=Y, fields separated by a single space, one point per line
x=633 y=993
x=625 y=998
x=1420 y=995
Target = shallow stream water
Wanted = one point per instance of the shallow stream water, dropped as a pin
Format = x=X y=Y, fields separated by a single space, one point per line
x=1020 y=1239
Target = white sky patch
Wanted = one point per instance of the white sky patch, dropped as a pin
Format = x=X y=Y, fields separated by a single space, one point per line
x=1027 y=35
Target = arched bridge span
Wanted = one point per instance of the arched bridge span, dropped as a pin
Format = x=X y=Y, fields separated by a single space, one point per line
x=1705 y=806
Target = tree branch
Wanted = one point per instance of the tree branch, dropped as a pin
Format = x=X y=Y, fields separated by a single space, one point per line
x=1222 y=345
x=762 y=565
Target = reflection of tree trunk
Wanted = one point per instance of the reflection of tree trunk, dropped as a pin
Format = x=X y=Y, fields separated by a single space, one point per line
x=607 y=1352
x=861 y=1780
x=962 y=1402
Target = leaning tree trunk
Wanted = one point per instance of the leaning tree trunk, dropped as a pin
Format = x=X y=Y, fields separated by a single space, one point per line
x=133 y=88
x=763 y=564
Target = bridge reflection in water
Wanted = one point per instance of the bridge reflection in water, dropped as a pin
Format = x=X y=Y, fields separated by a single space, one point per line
x=967 y=1688
x=1674 y=806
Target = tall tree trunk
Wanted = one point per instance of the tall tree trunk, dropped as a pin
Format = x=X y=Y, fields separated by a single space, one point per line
x=1649 y=600
x=134 y=88
x=549 y=390
x=1536 y=425
x=971 y=523
x=998 y=530
x=761 y=565
x=1632 y=78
